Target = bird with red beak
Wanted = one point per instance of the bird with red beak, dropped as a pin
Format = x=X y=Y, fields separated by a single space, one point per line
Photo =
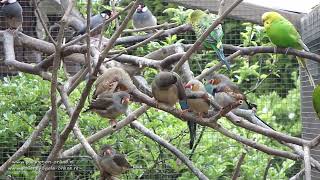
x=199 y=105
x=143 y=17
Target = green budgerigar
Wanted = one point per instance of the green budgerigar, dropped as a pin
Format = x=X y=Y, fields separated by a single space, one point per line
x=200 y=21
x=316 y=100
x=283 y=34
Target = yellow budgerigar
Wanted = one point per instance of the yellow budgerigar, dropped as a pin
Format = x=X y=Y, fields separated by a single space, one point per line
x=283 y=34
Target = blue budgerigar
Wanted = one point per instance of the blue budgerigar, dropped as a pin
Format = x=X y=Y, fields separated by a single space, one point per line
x=200 y=21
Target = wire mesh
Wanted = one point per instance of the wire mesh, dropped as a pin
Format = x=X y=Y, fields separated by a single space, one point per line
x=280 y=79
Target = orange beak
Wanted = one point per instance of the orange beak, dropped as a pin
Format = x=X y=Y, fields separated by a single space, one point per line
x=125 y=100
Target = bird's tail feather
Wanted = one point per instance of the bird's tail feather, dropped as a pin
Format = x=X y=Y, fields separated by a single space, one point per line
x=222 y=58
x=192 y=131
x=302 y=62
x=262 y=123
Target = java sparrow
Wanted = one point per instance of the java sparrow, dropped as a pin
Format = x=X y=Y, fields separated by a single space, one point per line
x=12 y=11
x=95 y=21
x=143 y=17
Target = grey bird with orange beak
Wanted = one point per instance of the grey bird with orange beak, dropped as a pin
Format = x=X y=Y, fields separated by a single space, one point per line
x=110 y=105
x=143 y=17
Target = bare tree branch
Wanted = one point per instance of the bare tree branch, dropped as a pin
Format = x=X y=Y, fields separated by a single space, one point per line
x=204 y=36
x=109 y=130
x=236 y=172
x=138 y=126
x=298 y=175
x=307 y=164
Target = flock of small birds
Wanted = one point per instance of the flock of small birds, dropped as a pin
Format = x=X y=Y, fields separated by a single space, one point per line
x=111 y=96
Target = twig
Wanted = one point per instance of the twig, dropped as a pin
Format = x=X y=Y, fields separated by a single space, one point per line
x=219 y=65
x=267 y=132
x=221 y=6
x=236 y=172
x=314 y=142
x=197 y=142
x=266 y=170
x=109 y=130
x=134 y=39
x=43 y=23
x=204 y=36
x=164 y=25
x=298 y=175
x=70 y=86
x=146 y=41
x=170 y=147
x=54 y=81
x=88 y=60
x=307 y=164
x=86 y=145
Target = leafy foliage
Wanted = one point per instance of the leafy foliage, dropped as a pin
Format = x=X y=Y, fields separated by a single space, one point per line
x=270 y=81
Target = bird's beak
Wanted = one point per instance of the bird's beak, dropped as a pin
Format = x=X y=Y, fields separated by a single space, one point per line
x=125 y=100
x=211 y=81
x=113 y=13
x=188 y=86
x=139 y=8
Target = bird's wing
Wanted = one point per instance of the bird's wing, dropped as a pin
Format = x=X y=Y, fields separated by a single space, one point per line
x=303 y=45
x=181 y=90
x=231 y=90
x=102 y=102
x=121 y=161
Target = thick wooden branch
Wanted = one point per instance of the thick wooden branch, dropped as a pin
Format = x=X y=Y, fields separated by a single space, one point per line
x=250 y=51
x=189 y=117
x=307 y=164
x=138 y=126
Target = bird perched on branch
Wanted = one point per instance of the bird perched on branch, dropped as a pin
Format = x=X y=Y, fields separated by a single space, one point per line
x=110 y=105
x=112 y=163
x=227 y=94
x=12 y=11
x=282 y=33
x=95 y=21
x=200 y=22
x=112 y=80
x=199 y=105
x=316 y=100
x=143 y=17
x=167 y=88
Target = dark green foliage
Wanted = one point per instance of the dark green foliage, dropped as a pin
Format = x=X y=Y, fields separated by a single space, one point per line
x=25 y=99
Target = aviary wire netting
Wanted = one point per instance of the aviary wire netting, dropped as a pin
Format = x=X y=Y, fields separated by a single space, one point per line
x=270 y=81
